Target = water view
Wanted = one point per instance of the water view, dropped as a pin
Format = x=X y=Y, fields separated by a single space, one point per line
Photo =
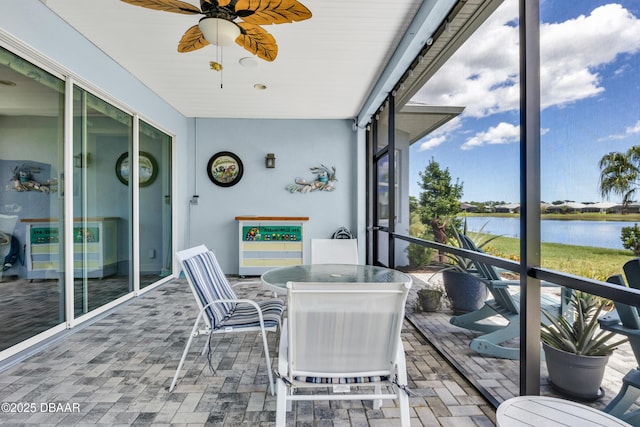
x=601 y=234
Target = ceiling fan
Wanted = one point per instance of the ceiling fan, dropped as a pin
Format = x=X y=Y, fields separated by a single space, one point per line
x=226 y=21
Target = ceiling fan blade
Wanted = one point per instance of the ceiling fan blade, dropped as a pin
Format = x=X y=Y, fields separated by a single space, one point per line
x=175 y=6
x=221 y=3
x=257 y=41
x=193 y=39
x=265 y=12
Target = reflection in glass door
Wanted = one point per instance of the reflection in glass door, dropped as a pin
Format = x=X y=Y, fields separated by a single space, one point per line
x=102 y=207
x=155 y=204
x=31 y=200
x=379 y=144
x=67 y=228
x=382 y=210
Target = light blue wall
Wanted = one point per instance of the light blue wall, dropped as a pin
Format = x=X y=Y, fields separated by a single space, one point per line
x=34 y=24
x=298 y=144
x=45 y=34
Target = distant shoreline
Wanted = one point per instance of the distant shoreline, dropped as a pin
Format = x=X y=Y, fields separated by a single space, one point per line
x=586 y=261
x=567 y=217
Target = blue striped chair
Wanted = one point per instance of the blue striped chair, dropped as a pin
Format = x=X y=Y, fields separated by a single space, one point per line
x=221 y=309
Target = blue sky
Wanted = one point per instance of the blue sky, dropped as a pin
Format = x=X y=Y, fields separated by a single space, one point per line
x=590 y=96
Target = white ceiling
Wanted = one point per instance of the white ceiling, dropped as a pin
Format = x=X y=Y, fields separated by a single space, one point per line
x=325 y=69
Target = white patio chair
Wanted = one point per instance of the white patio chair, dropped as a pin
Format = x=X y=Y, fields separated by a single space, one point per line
x=9 y=245
x=344 y=337
x=334 y=251
x=221 y=309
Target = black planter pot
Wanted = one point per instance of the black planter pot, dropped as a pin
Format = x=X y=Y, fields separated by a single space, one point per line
x=574 y=375
x=465 y=291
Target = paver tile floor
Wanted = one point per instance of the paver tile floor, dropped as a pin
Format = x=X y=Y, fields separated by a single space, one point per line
x=116 y=371
x=498 y=379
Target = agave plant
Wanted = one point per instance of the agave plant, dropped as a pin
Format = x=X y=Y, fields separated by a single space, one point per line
x=583 y=336
x=459 y=263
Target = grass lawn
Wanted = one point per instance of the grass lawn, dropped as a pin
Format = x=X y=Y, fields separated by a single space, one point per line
x=585 y=261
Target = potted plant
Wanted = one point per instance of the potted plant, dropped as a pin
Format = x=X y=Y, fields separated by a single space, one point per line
x=577 y=351
x=463 y=284
x=430 y=299
x=465 y=289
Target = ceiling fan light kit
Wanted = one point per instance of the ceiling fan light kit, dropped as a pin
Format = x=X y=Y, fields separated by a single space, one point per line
x=219 y=32
x=228 y=21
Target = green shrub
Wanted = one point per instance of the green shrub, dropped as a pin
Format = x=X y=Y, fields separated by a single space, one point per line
x=631 y=238
x=419 y=256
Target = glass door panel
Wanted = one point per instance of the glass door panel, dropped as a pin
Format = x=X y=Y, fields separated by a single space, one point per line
x=31 y=200
x=155 y=204
x=382 y=129
x=102 y=204
x=381 y=238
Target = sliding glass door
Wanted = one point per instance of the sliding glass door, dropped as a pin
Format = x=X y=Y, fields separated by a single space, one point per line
x=155 y=204
x=67 y=159
x=102 y=202
x=31 y=200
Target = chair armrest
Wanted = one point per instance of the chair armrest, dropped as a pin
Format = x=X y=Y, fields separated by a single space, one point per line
x=631 y=333
x=565 y=297
x=219 y=301
x=503 y=283
x=283 y=355
x=609 y=319
x=611 y=322
x=248 y=301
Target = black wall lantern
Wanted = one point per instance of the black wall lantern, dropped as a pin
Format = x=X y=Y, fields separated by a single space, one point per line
x=270 y=161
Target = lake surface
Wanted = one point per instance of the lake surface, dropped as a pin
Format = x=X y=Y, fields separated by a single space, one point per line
x=601 y=234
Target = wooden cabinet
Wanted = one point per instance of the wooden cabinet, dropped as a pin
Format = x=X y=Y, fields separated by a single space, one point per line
x=94 y=248
x=268 y=242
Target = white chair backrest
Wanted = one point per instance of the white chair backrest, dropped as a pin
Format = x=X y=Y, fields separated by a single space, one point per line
x=344 y=329
x=7 y=227
x=8 y=223
x=208 y=283
x=334 y=251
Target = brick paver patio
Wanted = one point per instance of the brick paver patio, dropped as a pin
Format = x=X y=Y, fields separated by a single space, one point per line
x=498 y=379
x=117 y=370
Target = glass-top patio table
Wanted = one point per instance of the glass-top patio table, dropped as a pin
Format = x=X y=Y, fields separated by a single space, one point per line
x=276 y=279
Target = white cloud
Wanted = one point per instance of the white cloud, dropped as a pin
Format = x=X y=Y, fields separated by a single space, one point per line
x=483 y=75
x=432 y=143
x=439 y=136
x=631 y=130
x=574 y=50
x=503 y=133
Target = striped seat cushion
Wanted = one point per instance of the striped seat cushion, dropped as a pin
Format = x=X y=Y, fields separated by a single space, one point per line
x=211 y=284
x=245 y=315
x=333 y=381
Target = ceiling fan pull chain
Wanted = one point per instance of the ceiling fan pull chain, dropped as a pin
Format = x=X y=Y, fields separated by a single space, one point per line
x=219 y=53
x=222 y=67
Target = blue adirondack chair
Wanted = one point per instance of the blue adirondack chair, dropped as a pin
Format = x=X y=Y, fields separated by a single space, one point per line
x=624 y=320
x=505 y=304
